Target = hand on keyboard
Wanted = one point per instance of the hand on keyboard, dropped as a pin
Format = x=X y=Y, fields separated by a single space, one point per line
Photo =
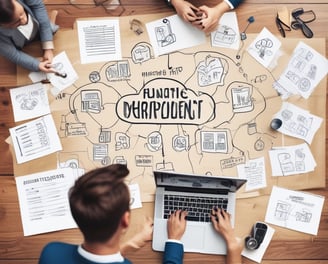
x=176 y=224
x=199 y=208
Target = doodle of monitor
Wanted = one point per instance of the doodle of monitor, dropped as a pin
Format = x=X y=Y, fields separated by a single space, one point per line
x=91 y=101
x=241 y=94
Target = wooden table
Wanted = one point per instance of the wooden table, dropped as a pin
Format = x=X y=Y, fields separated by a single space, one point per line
x=286 y=247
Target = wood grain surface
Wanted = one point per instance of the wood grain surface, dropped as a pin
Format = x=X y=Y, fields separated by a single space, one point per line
x=15 y=248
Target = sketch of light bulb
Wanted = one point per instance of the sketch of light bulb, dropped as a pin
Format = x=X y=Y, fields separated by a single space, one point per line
x=264 y=46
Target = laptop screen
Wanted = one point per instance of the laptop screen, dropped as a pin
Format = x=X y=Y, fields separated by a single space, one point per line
x=174 y=179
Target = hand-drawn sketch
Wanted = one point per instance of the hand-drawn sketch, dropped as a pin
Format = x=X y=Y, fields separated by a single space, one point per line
x=254 y=172
x=196 y=110
x=241 y=97
x=295 y=210
x=173 y=33
x=164 y=34
x=29 y=101
x=227 y=33
x=35 y=139
x=298 y=122
x=291 y=160
x=265 y=48
x=65 y=74
x=205 y=113
x=141 y=53
x=136 y=26
x=304 y=71
x=212 y=71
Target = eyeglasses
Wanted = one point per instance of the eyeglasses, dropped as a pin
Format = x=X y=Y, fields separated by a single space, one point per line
x=282 y=27
x=301 y=19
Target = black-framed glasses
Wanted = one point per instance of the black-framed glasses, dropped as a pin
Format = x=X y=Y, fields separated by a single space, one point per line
x=301 y=19
x=282 y=27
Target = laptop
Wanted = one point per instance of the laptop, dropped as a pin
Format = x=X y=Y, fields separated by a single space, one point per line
x=187 y=191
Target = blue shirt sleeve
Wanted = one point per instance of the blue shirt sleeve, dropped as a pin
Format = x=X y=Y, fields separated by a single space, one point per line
x=173 y=253
x=234 y=3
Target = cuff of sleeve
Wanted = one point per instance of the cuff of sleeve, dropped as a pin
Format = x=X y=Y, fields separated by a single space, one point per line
x=48 y=45
x=229 y=3
x=174 y=241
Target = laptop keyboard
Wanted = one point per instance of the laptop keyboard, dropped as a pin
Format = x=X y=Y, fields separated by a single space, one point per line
x=199 y=208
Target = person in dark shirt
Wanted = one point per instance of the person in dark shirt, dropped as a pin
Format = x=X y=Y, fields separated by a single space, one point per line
x=204 y=17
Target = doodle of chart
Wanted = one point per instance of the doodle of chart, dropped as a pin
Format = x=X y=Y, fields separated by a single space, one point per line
x=198 y=110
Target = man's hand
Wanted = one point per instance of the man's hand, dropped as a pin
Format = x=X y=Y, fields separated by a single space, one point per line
x=176 y=224
x=139 y=239
x=222 y=224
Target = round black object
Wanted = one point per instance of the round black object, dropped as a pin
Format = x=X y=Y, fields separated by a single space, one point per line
x=276 y=123
x=251 y=243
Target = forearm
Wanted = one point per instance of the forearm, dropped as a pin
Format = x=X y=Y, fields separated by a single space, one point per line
x=234 y=249
x=221 y=8
x=19 y=57
x=173 y=253
x=132 y=245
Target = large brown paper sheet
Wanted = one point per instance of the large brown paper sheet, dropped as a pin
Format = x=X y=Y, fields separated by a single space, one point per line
x=114 y=133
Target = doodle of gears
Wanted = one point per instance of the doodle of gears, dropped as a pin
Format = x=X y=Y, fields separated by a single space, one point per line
x=154 y=141
x=94 y=77
x=180 y=143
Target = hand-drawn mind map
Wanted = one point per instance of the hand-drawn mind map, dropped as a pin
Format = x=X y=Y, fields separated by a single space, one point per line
x=197 y=110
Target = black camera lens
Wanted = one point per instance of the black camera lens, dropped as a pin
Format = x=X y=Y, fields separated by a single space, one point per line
x=251 y=243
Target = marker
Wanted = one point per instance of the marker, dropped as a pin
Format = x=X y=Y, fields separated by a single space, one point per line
x=61 y=74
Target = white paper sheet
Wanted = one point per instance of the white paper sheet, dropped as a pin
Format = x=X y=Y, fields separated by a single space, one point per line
x=227 y=33
x=291 y=160
x=295 y=210
x=257 y=255
x=29 y=101
x=35 y=139
x=306 y=68
x=62 y=65
x=135 y=198
x=171 y=34
x=254 y=172
x=265 y=48
x=43 y=201
x=297 y=122
x=99 y=40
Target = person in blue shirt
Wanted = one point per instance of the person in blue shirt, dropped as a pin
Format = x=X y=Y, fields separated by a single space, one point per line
x=176 y=227
x=100 y=205
x=204 y=17
x=21 y=22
